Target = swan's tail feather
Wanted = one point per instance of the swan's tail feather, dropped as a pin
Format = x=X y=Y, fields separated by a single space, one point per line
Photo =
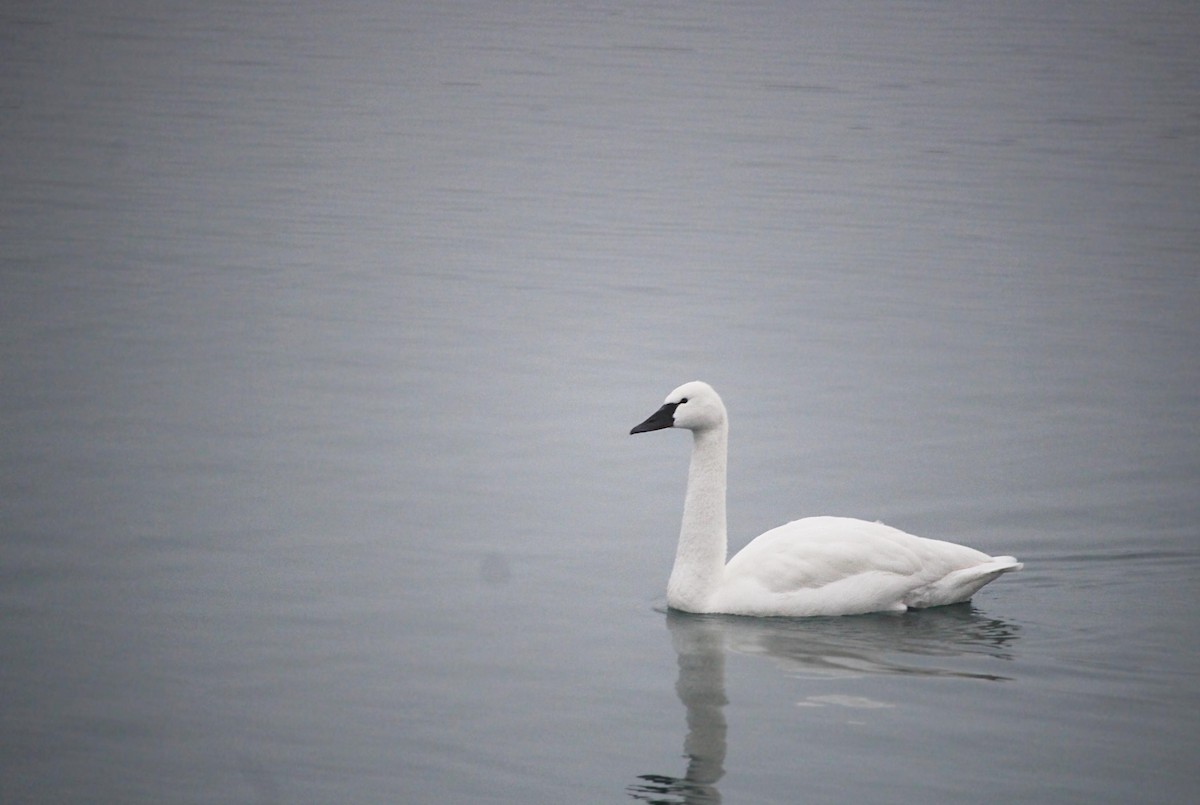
x=959 y=586
x=1010 y=562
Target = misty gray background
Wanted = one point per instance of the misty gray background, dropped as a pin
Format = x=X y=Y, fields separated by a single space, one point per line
x=324 y=326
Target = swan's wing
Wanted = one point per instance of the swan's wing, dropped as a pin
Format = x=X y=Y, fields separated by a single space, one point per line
x=816 y=551
x=837 y=565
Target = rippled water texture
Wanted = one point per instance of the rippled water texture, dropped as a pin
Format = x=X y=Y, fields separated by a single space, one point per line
x=325 y=326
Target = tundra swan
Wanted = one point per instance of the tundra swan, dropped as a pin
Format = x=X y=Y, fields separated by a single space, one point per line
x=811 y=566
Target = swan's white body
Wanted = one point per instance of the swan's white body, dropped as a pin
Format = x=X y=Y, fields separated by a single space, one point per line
x=813 y=566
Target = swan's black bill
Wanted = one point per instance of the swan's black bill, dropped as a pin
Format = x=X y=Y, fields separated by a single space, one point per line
x=662 y=418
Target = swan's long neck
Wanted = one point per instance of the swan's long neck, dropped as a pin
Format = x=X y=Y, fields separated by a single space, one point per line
x=700 y=557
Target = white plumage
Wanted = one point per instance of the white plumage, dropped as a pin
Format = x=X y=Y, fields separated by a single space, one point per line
x=812 y=566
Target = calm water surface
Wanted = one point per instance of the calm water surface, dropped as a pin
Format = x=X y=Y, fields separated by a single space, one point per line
x=324 y=328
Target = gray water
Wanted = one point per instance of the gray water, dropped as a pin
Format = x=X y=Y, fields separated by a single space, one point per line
x=324 y=326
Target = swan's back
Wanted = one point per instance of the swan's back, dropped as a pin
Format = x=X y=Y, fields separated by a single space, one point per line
x=840 y=565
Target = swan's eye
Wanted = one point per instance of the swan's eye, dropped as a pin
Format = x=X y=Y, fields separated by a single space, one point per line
x=681 y=402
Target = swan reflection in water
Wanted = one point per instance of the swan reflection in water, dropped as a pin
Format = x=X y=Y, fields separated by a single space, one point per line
x=943 y=642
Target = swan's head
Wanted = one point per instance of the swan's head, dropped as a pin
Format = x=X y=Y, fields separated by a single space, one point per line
x=694 y=406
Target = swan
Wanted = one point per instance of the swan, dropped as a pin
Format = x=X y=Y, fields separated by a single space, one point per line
x=811 y=566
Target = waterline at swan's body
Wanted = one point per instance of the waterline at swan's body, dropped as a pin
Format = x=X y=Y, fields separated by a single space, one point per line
x=813 y=566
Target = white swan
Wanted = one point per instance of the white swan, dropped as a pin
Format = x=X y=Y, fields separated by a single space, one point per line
x=813 y=566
